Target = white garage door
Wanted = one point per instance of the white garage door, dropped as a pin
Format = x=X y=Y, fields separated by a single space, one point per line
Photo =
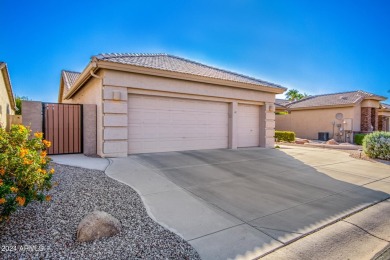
x=159 y=124
x=248 y=125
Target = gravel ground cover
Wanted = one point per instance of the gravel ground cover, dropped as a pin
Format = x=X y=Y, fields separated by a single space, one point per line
x=48 y=230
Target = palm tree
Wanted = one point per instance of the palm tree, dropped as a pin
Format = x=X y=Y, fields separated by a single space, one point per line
x=294 y=95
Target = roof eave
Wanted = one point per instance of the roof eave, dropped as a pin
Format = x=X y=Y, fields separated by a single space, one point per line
x=84 y=77
x=184 y=76
x=379 y=98
x=321 y=107
x=4 y=70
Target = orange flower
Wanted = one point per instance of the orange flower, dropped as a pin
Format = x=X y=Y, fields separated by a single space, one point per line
x=23 y=152
x=2 y=171
x=42 y=171
x=26 y=161
x=20 y=200
x=43 y=161
x=43 y=154
x=38 y=135
x=52 y=170
x=2 y=201
x=14 y=189
x=48 y=198
x=1 y=182
x=46 y=143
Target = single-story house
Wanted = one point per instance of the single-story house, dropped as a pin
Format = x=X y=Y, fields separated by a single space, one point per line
x=338 y=114
x=160 y=102
x=7 y=100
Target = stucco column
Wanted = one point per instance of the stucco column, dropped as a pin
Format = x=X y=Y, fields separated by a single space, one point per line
x=32 y=115
x=267 y=125
x=233 y=125
x=115 y=121
x=89 y=129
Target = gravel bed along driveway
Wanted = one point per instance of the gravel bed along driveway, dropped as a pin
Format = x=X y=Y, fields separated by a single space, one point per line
x=48 y=230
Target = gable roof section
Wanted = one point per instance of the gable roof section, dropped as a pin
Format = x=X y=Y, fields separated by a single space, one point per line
x=68 y=78
x=336 y=99
x=8 y=85
x=166 y=62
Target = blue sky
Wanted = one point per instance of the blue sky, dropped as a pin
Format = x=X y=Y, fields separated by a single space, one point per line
x=313 y=46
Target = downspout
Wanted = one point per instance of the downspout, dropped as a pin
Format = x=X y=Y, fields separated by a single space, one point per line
x=94 y=75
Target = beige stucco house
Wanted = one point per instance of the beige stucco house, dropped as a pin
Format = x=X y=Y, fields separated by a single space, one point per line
x=7 y=101
x=159 y=102
x=339 y=114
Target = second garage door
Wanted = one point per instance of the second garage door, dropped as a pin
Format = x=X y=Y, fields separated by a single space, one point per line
x=159 y=124
x=248 y=125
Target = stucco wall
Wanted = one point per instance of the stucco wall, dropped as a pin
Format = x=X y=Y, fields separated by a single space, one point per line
x=370 y=103
x=4 y=101
x=91 y=93
x=32 y=115
x=283 y=122
x=307 y=123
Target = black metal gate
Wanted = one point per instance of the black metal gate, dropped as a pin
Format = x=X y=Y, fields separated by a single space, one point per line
x=63 y=127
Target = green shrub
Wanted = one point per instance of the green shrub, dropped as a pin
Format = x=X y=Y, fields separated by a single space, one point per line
x=24 y=176
x=281 y=113
x=358 y=138
x=377 y=145
x=285 y=136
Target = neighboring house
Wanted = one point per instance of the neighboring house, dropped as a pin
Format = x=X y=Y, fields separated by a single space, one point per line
x=339 y=114
x=7 y=101
x=384 y=117
x=281 y=105
x=159 y=102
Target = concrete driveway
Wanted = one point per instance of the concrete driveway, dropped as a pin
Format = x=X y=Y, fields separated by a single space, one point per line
x=245 y=203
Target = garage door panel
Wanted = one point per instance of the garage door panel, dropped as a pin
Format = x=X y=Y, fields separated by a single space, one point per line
x=159 y=124
x=248 y=125
x=184 y=131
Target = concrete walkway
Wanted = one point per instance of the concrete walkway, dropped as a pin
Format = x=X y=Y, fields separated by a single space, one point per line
x=80 y=160
x=245 y=203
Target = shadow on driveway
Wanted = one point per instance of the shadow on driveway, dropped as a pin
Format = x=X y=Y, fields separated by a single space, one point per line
x=267 y=197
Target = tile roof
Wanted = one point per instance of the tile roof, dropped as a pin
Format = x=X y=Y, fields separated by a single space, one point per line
x=342 y=98
x=70 y=78
x=282 y=102
x=168 y=62
x=385 y=106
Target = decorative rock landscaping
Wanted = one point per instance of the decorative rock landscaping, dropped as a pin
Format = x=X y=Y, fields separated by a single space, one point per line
x=48 y=230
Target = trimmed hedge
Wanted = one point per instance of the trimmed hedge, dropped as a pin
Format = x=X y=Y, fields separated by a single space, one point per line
x=358 y=138
x=377 y=145
x=286 y=136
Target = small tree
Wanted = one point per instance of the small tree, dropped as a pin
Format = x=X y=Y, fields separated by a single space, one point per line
x=18 y=101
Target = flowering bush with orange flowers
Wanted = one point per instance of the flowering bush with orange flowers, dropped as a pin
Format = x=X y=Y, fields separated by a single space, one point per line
x=24 y=173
